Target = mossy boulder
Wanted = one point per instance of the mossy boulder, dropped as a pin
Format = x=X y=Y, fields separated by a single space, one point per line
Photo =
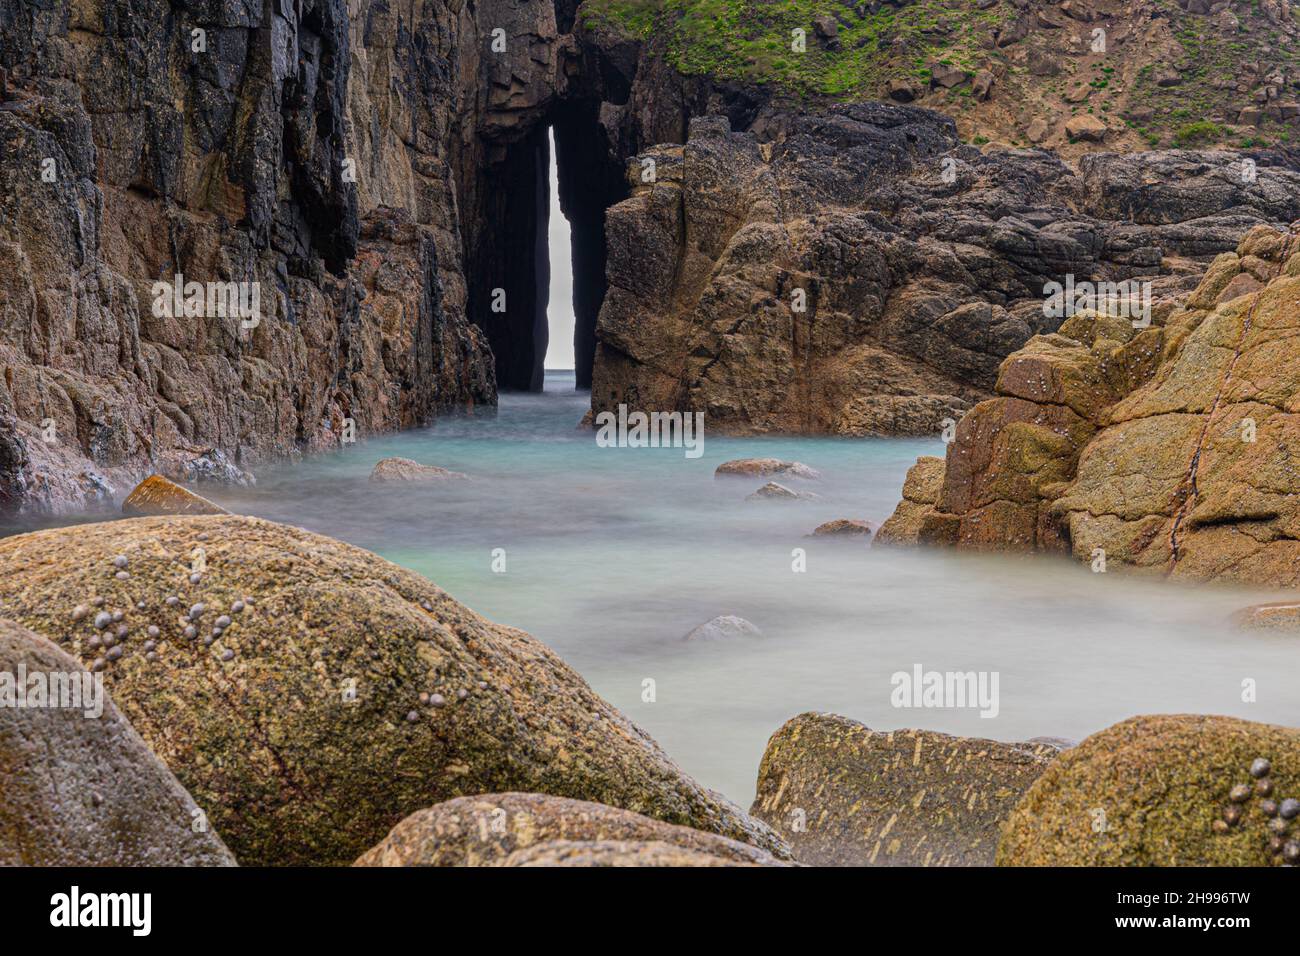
x=485 y=831
x=1158 y=791
x=310 y=694
x=845 y=795
x=78 y=787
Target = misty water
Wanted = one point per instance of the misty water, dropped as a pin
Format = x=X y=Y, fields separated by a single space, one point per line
x=614 y=554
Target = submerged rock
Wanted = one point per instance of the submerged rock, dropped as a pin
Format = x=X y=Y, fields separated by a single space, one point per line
x=763 y=467
x=486 y=830
x=1159 y=791
x=346 y=694
x=77 y=790
x=1282 y=616
x=845 y=795
x=844 y=527
x=157 y=495
x=404 y=469
x=723 y=628
x=777 y=492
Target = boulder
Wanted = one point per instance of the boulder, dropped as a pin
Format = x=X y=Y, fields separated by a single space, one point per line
x=404 y=469
x=80 y=788
x=763 y=467
x=946 y=75
x=724 y=628
x=1085 y=127
x=845 y=795
x=621 y=853
x=310 y=694
x=157 y=495
x=844 y=528
x=921 y=492
x=772 y=491
x=900 y=90
x=1282 y=616
x=485 y=830
x=1184 y=790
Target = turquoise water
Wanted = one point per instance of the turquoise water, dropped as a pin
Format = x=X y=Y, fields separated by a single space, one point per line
x=614 y=554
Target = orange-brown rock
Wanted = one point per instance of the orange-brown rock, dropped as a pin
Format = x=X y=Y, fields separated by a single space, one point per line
x=157 y=495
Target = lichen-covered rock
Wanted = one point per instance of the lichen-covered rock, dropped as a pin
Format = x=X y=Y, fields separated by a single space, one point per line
x=763 y=467
x=1166 y=448
x=845 y=795
x=310 y=694
x=844 y=528
x=620 y=853
x=78 y=787
x=404 y=469
x=1164 y=791
x=485 y=830
x=157 y=495
x=921 y=492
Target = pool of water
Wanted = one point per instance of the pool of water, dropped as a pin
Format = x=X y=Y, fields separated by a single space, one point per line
x=613 y=554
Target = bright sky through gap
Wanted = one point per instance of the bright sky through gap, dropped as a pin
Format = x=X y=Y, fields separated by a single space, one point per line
x=559 y=313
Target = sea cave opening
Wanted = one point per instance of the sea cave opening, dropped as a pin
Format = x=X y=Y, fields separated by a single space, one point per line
x=537 y=265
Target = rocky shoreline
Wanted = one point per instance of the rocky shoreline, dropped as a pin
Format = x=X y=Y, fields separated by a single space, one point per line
x=313 y=704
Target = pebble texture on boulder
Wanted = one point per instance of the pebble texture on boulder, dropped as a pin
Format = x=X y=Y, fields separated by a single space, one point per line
x=486 y=830
x=87 y=791
x=845 y=795
x=311 y=694
x=1159 y=791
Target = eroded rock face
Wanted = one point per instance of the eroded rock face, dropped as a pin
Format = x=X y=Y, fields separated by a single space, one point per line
x=83 y=790
x=1159 y=791
x=857 y=271
x=323 y=693
x=845 y=795
x=486 y=830
x=300 y=150
x=1170 y=449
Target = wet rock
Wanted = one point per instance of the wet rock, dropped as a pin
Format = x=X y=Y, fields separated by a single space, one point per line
x=844 y=527
x=1282 y=616
x=404 y=469
x=299 y=748
x=85 y=791
x=772 y=491
x=845 y=795
x=157 y=495
x=916 y=511
x=764 y=467
x=486 y=830
x=1148 y=792
x=726 y=627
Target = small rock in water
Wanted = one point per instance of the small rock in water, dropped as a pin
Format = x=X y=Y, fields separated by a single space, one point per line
x=404 y=469
x=845 y=527
x=775 y=492
x=723 y=628
x=763 y=467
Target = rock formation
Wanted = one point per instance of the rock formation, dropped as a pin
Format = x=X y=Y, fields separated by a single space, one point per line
x=404 y=469
x=1164 y=791
x=80 y=788
x=310 y=695
x=858 y=271
x=845 y=795
x=1168 y=449
x=486 y=830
